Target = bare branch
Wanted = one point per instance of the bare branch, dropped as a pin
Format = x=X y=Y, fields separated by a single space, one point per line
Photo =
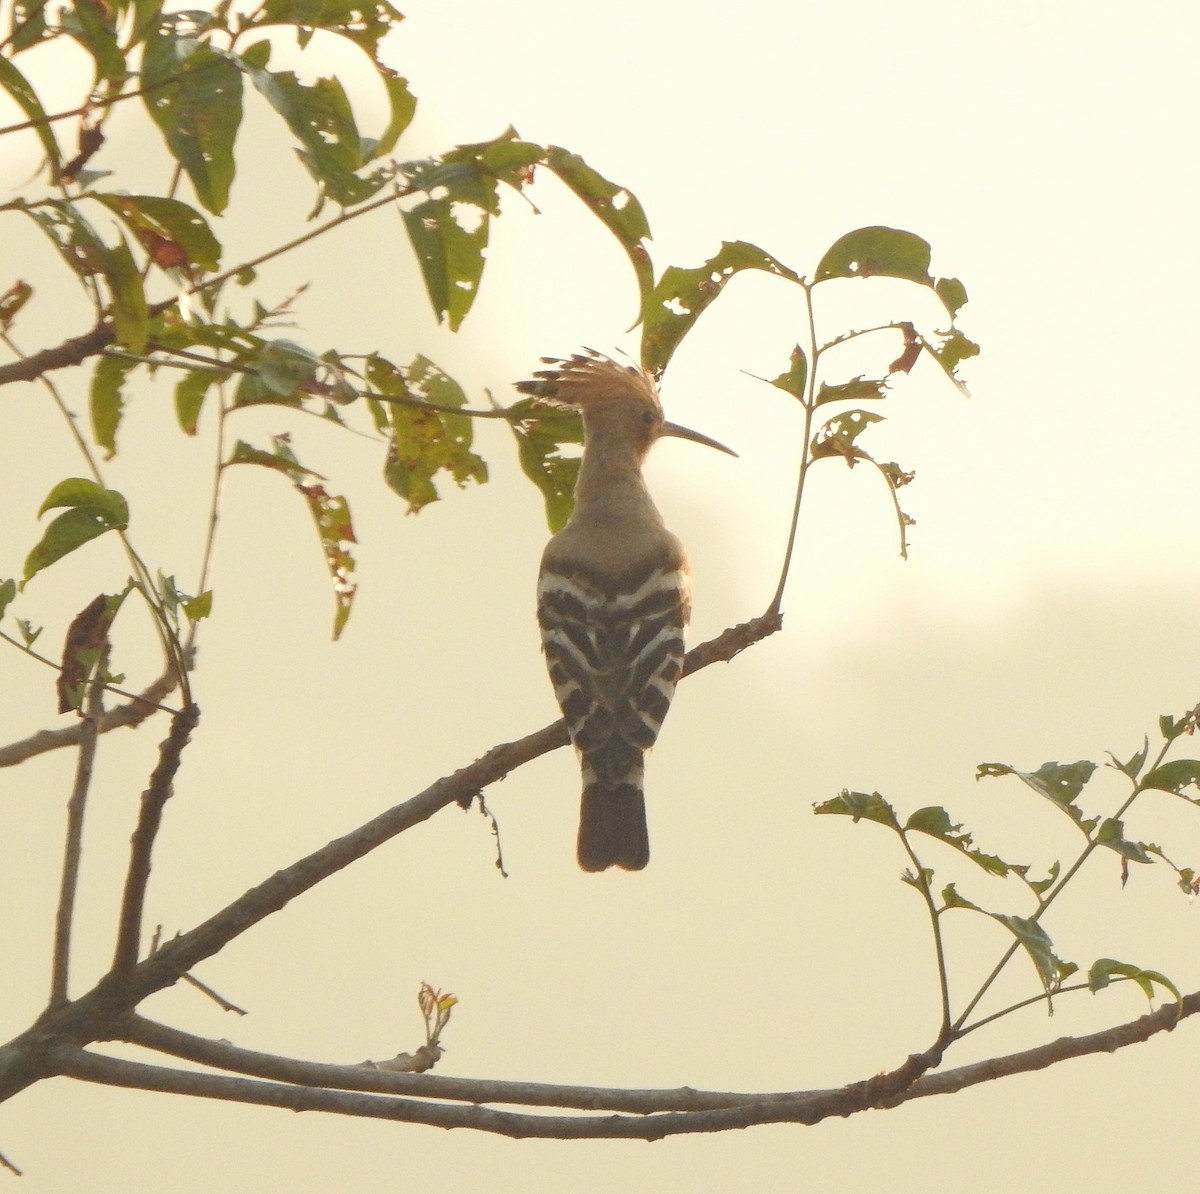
x=73 y=1062
x=70 y=352
x=155 y=796
x=131 y=714
x=184 y=952
x=73 y=843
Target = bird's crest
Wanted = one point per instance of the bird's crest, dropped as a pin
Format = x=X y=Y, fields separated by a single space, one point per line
x=590 y=377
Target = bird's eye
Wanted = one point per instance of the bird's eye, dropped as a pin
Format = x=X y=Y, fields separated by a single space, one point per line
x=648 y=417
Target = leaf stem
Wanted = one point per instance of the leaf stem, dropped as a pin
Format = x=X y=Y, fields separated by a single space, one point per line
x=1067 y=876
x=809 y=404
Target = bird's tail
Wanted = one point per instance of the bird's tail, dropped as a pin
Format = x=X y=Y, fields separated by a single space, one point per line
x=612 y=823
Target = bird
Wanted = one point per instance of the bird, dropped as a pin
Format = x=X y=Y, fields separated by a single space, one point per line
x=613 y=599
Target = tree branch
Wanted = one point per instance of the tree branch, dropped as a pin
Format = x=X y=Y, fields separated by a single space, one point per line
x=131 y=714
x=93 y=1016
x=129 y=927
x=70 y=352
x=73 y=843
x=641 y=1114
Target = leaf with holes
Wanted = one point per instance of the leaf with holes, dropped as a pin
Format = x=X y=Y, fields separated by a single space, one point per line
x=321 y=119
x=1060 y=783
x=836 y=437
x=193 y=92
x=422 y=443
x=330 y=514
x=450 y=255
x=541 y=431
x=877 y=251
x=615 y=206
x=364 y=24
x=682 y=295
x=857 y=389
x=1174 y=777
x=173 y=233
x=861 y=806
x=935 y=822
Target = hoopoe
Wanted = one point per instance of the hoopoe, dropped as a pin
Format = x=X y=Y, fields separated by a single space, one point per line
x=613 y=600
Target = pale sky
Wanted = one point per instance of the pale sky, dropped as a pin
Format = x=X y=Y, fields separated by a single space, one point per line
x=1047 y=611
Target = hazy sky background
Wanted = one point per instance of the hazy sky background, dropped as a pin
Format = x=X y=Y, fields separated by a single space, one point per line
x=1047 y=612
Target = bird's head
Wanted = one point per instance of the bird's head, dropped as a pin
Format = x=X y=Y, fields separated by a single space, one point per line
x=618 y=402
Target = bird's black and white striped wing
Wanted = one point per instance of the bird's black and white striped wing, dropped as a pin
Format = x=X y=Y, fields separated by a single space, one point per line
x=615 y=654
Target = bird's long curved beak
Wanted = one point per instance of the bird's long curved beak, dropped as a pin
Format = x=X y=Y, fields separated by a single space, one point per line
x=673 y=429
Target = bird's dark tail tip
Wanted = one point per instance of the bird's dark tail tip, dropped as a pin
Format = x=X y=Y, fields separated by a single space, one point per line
x=612 y=828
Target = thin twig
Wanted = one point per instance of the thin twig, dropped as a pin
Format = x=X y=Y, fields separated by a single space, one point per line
x=215 y=996
x=73 y=839
x=809 y=402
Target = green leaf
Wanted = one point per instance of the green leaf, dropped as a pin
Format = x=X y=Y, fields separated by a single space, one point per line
x=282 y=369
x=1039 y=887
x=1174 y=777
x=682 y=295
x=861 y=806
x=79 y=492
x=190 y=393
x=322 y=120
x=541 y=430
x=951 y=899
x=330 y=514
x=855 y=390
x=8 y=593
x=403 y=108
x=364 y=24
x=92 y=510
x=93 y=27
x=951 y=351
x=28 y=23
x=1112 y=835
x=1037 y=944
x=1103 y=971
x=193 y=92
x=1170 y=728
x=15 y=83
x=795 y=380
x=174 y=234
x=450 y=256
x=615 y=206
x=282 y=459
x=1134 y=765
x=422 y=443
x=107 y=402
x=935 y=822
x=80 y=246
x=131 y=315
x=877 y=251
x=837 y=436
x=1060 y=783
x=952 y=293
x=470 y=172
x=198 y=607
